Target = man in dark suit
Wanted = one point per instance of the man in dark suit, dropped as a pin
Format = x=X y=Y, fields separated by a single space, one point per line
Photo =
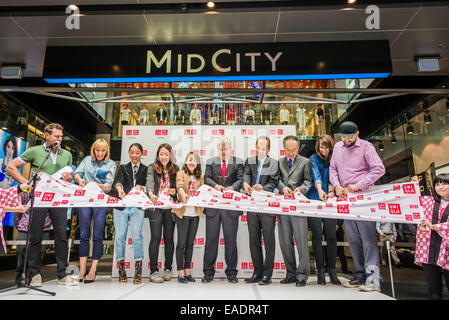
x=296 y=175
x=261 y=173
x=224 y=173
x=130 y=175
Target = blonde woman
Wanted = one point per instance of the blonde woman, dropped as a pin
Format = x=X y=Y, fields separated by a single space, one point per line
x=100 y=169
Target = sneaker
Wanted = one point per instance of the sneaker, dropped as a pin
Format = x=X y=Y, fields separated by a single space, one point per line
x=190 y=278
x=36 y=281
x=354 y=283
x=167 y=275
x=369 y=288
x=154 y=277
x=68 y=280
x=182 y=280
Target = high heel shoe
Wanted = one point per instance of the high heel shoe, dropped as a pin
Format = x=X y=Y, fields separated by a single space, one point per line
x=82 y=279
x=90 y=281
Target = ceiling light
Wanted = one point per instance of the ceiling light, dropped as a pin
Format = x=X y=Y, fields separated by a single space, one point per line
x=393 y=139
x=12 y=71
x=352 y=1
x=211 y=4
x=410 y=128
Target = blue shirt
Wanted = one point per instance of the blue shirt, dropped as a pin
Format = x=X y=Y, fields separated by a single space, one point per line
x=320 y=174
x=102 y=172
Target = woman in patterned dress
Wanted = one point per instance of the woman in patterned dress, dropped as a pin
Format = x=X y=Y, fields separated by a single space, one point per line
x=432 y=237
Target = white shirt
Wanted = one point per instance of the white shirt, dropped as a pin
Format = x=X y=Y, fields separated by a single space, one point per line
x=143 y=113
x=132 y=169
x=125 y=114
x=190 y=212
x=284 y=115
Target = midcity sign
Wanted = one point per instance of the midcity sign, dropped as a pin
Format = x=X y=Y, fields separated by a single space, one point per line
x=219 y=62
x=194 y=62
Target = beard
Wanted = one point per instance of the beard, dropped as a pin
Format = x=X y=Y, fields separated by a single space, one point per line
x=351 y=144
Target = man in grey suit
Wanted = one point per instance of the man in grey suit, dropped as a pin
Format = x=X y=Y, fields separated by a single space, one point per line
x=224 y=173
x=261 y=173
x=296 y=175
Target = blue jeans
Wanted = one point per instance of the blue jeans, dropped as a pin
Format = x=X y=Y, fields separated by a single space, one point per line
x=85 y=216
x=136 y=217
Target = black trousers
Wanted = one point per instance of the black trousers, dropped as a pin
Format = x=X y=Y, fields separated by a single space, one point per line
x=434 y=275
x=341 y=249
x=230 y=221
x=161 y=219
x=258 y=225
x=20 y=251
x=187 y=228
x=331 y=239
x=58 y=218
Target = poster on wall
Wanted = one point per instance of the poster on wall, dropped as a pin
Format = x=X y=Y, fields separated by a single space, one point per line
x=203 y=141
x=10 y=148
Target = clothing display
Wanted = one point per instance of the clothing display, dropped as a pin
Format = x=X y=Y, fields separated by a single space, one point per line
x=249 y=116
x=125 y=115
x=265 y=116
x=161 y=116
x=301 y=120
x=195 y=116
x=319 y=120
x=179 y=118
x=284 y=116
x=143 y=116
x=231 y=116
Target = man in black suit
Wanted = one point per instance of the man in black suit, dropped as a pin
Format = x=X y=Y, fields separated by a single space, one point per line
x=261 y=173
x=130 y=175
x=224 y=173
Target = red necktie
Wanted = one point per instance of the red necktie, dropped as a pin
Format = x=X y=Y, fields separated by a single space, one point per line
x=223 y=170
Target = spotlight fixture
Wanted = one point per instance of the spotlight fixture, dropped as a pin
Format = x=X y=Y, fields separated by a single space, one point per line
x=381 y=146
x=393 y=139
x=352 y=1
x=211 y=4
x=12 y=71
x=427 y=118
x=410 y=129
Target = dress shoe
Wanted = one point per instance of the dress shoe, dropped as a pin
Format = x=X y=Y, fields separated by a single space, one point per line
x=207 y=279
x=321 y=278
x=255 y=278
x=233 y=279
x=190 y=278
x=265 y=280
x=354 y=283
x=87 y=281
x=288 y=280
x=301 y=283
x=333 y=277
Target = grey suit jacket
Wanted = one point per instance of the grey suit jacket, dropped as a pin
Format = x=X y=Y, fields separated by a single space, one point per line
x=269 y=175
x=233 y=177
x=300 y=174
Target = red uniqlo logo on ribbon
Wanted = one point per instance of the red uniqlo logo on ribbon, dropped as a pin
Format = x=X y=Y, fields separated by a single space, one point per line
x=237 y=199
x=79 y=192
x=112 y=200
x=394 y=208
x=244 y=218
x=290 y=198
x=396 y=187
x=251 y=266
x=200 y=241
x=416 y=215
x=320 y=207
x=218 y=265
x=408 y=217
x=56 y=204
x=37 y=194
x=414 y=206
x=285 y=209
x=283 y=267
x=64 y=201
x=129 y=132
x=100 y=196
x=130 y=241
x=292 y=208
x=158 y=132
x=360 y=197
x=128 y=265
x=227 y=195
x=409 y=188
x=381 y=206
x=135 y=132
x=222 y=241
x=48 y=196
x=91 y=200
x=66 y=195
x=373 y=210
x=329 y=205
x=343 y=208
x=274 y=204
x=352 y=199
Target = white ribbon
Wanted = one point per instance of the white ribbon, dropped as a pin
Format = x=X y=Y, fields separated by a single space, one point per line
x=387 y=203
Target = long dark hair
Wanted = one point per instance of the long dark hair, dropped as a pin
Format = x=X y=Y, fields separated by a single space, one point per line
x=172 y=168
x=441 y=178
x=137 y=145
x=14 y=145
x=197 y=172
x=327 y=141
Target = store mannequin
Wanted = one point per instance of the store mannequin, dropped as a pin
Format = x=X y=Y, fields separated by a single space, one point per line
x=195 y=115
x=125 y=113
x=265 y=115
x=231 y=115
x=301 y=119
x=249 y=115
x=284 y=114
x=215 y=115
x=180 y=115
x=161 y=114
x=144 y=115
x=319 y=120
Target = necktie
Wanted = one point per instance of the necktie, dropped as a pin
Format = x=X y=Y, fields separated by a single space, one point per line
x=259 y=165
x=290 y=163
x=223 y=170
x=135 y=169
